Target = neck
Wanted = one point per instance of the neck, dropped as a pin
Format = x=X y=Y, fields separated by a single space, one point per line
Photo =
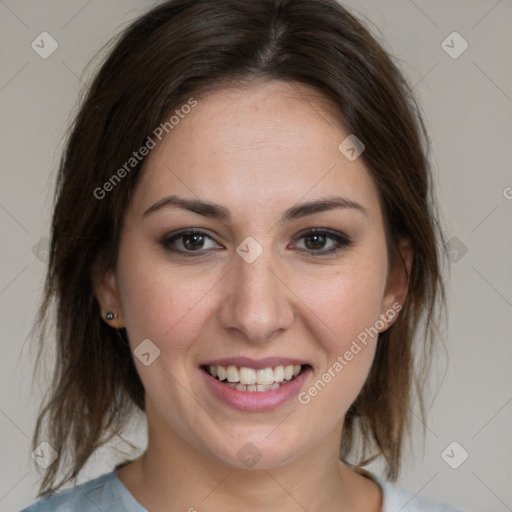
x=174 y=476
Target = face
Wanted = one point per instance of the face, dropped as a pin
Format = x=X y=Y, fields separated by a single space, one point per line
x=251 y=242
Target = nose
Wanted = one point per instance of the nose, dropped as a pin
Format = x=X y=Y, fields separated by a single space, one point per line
x=258 y=303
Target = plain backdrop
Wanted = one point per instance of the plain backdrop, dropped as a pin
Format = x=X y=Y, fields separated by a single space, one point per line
x=467 y=100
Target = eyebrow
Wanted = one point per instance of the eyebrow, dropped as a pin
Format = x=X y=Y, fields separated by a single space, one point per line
x=217 y=211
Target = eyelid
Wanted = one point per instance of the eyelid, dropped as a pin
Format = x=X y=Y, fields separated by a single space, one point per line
x=167 y=240
x=341 y=241
x=323 y=231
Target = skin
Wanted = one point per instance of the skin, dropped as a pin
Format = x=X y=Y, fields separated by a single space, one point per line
x=256 y=151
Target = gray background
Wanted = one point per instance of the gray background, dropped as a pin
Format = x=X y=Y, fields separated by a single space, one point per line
x=468 y=105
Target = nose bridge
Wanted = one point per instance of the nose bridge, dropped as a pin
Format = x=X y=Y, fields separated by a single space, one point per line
x=258 y=304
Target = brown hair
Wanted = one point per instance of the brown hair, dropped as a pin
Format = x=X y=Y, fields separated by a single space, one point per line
x=179 y=50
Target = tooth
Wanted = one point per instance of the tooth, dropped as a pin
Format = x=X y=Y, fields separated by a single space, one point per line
x=279 y=373
x=247 y=375
x=275 y=386
x=232 y=374
x=248 y=379
x=288 y=372
x=231 y=384
x=221 y=372
x=265 y=376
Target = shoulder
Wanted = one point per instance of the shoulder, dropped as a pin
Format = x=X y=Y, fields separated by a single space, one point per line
x=103 y=493
x=395 y=498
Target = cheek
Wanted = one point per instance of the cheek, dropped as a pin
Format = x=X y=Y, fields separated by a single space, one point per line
x=161 y=303
x=347 y=301
x=344 y=312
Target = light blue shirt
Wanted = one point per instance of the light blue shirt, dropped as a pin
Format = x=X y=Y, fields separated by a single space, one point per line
x=108 y=494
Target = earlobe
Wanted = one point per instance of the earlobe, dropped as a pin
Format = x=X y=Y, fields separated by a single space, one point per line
x=106 y=291
x=397 y=285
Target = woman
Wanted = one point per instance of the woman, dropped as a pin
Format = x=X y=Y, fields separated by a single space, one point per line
x=244 y=245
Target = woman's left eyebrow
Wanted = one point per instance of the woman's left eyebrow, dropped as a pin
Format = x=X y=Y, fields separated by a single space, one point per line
x=322 y=205
x=217 y=211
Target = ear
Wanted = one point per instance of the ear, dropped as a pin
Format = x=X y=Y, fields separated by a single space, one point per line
x=397 y=285
x=107 y=294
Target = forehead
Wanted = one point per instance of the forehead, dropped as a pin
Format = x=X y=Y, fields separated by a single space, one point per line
x=271 y=143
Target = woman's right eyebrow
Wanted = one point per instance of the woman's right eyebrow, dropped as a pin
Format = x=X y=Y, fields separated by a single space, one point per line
x=216 y=211
x=204 y=208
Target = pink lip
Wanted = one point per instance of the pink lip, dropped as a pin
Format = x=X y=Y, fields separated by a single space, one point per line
x=258 y=400
x=266 y=362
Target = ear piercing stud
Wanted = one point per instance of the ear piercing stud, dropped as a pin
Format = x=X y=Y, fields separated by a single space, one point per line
x=110 y=316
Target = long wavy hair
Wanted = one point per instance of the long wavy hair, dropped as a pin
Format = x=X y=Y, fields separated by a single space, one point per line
x=182 y=49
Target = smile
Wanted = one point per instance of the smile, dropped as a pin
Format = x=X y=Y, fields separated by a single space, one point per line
x=254 y=379
x=255 y=384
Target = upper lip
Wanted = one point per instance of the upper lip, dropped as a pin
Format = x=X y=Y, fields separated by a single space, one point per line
x=257 y=364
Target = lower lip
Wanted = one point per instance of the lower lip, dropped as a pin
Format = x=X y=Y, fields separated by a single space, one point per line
x=255 y=400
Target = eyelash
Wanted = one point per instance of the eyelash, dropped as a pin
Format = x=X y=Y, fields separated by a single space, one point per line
x=341 y=241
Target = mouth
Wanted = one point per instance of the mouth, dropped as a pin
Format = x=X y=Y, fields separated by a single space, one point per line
x=255 y=380
x=254 y=385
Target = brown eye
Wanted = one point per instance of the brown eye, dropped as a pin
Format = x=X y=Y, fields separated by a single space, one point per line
x=193 y=242
x=315 y=242
x=189 y=241
x=321 y=241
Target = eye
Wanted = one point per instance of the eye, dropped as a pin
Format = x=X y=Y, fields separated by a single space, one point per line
x=322 y=241
x=189 y=241
x=314 y=241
